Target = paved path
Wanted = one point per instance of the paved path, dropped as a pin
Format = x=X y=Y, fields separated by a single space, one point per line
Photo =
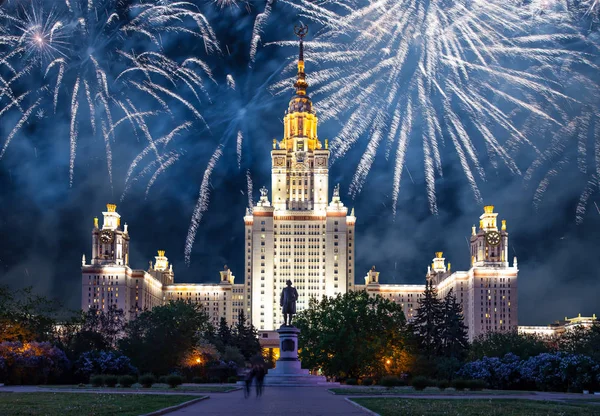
x=275 y=401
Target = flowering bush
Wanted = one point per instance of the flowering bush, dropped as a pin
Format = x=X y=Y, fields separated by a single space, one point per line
x=561 y=371
x=31 y=363
x=547 y=371
x=102 y=362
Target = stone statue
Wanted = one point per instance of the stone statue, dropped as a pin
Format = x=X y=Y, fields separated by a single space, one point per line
x=264 y=192
x=336 y=191
x=289 y=296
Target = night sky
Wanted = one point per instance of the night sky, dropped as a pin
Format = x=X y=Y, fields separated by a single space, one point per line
x=46 y=224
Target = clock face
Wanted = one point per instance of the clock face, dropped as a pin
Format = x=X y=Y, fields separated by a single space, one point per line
x=320 y=162
x=106 y=237
x=279 y=161
x=493 y=238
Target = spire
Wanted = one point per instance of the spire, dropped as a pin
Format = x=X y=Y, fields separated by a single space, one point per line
x=301 y=85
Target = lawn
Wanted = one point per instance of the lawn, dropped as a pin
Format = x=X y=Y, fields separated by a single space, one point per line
x=476 y=407
x=382 y=391
x=80 y=404
x=199 y=388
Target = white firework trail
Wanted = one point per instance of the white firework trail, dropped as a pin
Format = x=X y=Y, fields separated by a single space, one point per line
x=403 y=142
x=149 y=168
x=170 y=159
x=259 y=25
x=230 y=81
x=18 y=126
x=250 y=190
x=73 y=130
x=239 y=143
x=202 y=203
x=225 y=3
x=163 y=141
x=470 y=74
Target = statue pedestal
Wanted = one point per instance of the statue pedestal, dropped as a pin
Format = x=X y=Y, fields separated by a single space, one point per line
x=288 y=370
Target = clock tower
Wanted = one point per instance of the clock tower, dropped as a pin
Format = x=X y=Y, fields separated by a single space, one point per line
x=110 y=244
x=489 y=244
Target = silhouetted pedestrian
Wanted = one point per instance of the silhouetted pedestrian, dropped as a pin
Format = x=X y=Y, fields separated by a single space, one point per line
x=260 y=378
x=249 y=375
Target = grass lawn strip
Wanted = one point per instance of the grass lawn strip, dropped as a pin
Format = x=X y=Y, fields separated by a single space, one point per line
x=78 y=404
x=382 y=391
x=475 y=407
x=156 y=387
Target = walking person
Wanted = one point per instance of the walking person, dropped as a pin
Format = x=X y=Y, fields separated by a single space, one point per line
x=260 y=378
x=248 y=376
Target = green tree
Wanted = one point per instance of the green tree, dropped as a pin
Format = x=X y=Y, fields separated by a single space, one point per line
x=581 y=340
x=244 y=337
x=232 y=353
x=223 y=336
x=498 y=344
x=25 y=316
x=351 y=335
x=93 y=330
x=158 y=340
x=427 y=322
x=453 y=334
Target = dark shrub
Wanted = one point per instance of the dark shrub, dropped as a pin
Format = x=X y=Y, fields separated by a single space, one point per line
x=460 y=384
x=367 y=381
x=147 y=380
x=420 y=383
x=94 y=362
x=162 y=379
x=126 y=381
x=476 y=384
x=97 y=380
x=198 y=380
x=174 y=380
x=232 y=379
x=443 y=384
x=390 y=381
x=351 y=382
x=110 y=380
x=214 y=380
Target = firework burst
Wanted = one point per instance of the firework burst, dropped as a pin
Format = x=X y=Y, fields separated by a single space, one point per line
x=81 y=53
x=460 y=75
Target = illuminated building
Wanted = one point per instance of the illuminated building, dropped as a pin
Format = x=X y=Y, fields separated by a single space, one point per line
x=300 y=234
x=559 y=327
x=108 y=280
x=487 y=292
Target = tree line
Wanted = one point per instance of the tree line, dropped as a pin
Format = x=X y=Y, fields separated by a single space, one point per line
x=355 y=336
x=38 y=337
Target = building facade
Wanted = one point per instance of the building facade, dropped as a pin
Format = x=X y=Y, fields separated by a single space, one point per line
x=109 y=281
x=299 y=234
x=560 y=327
x=487 y=292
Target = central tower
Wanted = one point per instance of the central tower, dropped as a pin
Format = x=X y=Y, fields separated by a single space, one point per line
x=296 y=235
x=299 y=162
